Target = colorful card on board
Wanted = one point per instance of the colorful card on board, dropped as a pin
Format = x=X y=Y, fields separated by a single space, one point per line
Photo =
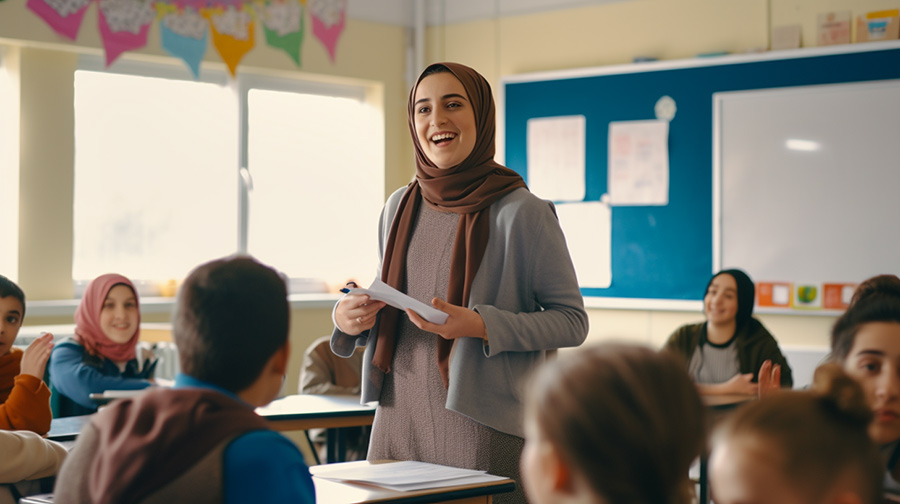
x=836 y=296
x=807 y=296
x=877 y=26
x=774 y=294
x=834 y=28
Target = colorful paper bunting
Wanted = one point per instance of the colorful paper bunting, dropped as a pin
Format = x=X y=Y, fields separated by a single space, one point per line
x=63 y=16
x=185 y=25
x=283 y=24
x=328 y=18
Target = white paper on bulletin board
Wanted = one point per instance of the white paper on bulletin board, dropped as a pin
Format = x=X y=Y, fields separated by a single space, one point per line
x=638 y=167
x=556 y=157
x=588 y=230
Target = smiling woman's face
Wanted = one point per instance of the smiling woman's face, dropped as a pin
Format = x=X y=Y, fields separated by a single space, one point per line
x=444 y=120
x=119 y=315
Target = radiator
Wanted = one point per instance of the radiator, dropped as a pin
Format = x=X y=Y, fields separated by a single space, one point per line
x=167 y=367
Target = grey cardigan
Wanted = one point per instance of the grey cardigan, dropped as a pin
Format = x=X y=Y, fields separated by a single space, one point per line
x=527 y=294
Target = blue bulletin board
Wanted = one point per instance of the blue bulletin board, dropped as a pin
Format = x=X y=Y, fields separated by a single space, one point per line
x=662 y=256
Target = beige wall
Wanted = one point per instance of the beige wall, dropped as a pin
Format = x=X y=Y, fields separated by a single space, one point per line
x=614 y=34
x=46 y=62
x=373 y=53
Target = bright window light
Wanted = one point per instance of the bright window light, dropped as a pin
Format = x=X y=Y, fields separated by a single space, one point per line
x=156 y=167
x=318 y=176
x=9 y=163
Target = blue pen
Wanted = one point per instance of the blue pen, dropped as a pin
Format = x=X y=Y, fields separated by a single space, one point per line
x=345 y=290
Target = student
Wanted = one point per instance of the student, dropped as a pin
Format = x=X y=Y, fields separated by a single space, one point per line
x=611 y=423
x=323 y=372
x=102 y=354
x=27 y=459
x=799 y=447
x=865 y=341
x=24 y=397
x=201 y=441
x=468 y=237
x=724 y=355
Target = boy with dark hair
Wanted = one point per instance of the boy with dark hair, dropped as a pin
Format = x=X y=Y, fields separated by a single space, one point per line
x=202 y=441
x=24 y=397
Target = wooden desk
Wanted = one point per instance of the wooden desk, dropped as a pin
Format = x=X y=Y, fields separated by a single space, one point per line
x=67 y=428
x=336 y=492
x=296 y=412
x=311 y=411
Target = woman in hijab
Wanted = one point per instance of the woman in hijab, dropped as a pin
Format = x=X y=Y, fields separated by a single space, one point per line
x=467 y=237
x=102 y=354
x=728 y=353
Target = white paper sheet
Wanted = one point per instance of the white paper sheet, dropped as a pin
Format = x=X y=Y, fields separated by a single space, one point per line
x=405 y=476
x=556 y=157
x=381 y=291
x=588 y=230
x=638 y=168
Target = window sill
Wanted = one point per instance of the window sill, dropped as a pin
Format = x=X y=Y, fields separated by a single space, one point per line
x=156 y=305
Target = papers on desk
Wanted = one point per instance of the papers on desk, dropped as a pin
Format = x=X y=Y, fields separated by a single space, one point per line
x=381 y=291
x=404 y=476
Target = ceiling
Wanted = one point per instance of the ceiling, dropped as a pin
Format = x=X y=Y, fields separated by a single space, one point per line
x=444 y=12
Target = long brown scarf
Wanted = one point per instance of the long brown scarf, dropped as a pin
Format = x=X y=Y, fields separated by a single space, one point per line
x=468 y=189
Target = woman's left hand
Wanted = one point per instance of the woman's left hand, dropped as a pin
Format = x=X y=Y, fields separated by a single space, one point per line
x=769 y=378
x=462 y=322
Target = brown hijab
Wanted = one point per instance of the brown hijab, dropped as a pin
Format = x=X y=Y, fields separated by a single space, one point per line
x=468 y=189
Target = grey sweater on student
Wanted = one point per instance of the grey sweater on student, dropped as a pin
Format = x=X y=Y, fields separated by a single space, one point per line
x=527 y=294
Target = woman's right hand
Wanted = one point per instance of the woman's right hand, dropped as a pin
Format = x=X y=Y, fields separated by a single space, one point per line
x=355 y=313
x=741 y=384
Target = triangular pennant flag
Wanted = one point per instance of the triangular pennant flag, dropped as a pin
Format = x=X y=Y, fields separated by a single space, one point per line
x=124 y=25
x=63 y=16
x=283 y=24
x=328 y=18
x=233 y=34
x=183 y=34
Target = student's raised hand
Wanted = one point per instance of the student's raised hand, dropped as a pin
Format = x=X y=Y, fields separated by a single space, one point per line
x=34 y=358
x=356 y=313
x=462 y=322
x=769 y=378
x=741 y=384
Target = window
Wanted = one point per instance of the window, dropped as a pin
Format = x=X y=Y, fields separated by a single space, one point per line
x=316 y=192
x=159 y=186
x=9 y=164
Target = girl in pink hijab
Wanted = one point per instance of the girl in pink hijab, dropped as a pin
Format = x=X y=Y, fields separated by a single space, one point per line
x=102 y=354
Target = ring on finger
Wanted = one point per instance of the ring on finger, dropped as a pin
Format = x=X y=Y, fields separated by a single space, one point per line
x=359 y=320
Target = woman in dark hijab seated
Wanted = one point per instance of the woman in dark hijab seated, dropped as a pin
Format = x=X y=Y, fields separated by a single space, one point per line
x=729 y=352
x=467 y=237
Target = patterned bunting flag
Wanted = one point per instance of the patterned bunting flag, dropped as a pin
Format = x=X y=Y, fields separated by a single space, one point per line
x=328 y=18
x=124 y=25
x=63 y=16
x=283 y=24
x=183 y=34
x=233 y=33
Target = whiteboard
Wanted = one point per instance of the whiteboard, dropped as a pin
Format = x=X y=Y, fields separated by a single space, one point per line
x=807 y=182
